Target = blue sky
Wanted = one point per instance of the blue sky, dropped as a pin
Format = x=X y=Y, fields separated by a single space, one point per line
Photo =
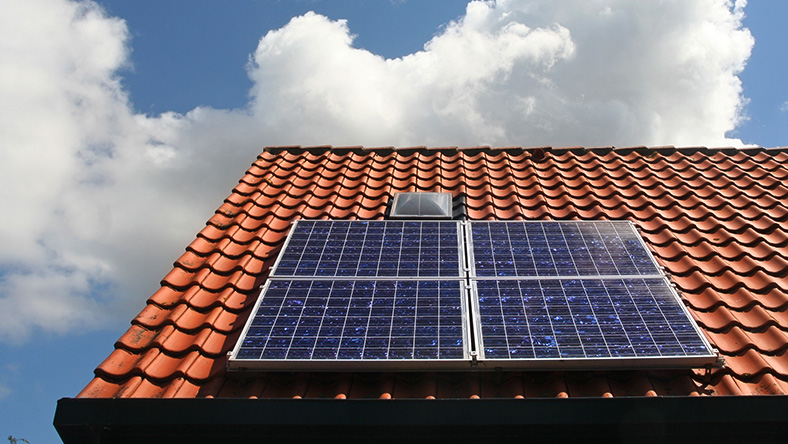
x=206 y=65
x=764 y=79
x=128 y=133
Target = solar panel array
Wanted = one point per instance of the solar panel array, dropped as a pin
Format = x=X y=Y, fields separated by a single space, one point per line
x=397 y=295
x=362 y=249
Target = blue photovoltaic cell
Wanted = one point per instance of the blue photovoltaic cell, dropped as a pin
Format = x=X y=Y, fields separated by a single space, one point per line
x=567 y=248
x=584 y=318
x=356 y=320
x=359 y=249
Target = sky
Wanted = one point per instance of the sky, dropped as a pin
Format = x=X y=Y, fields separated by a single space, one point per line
x=123 y=124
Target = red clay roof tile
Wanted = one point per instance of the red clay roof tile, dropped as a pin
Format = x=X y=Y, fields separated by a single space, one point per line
x=713 y=218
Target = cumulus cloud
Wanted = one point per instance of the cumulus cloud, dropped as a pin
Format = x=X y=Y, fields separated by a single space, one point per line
x=526 y=72
x=100 y=200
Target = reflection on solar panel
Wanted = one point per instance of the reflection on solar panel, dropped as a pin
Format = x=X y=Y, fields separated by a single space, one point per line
x=356 y=321
x=371 y=249
x=582 y=248
x=584 y=318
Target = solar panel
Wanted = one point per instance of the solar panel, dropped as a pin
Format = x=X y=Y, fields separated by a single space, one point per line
x=352 y=323
x=360 y=249
x=397 y=295
x=566 y=248
x=602 y=322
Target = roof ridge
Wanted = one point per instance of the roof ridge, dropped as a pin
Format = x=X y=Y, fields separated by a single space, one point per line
x=486 y=148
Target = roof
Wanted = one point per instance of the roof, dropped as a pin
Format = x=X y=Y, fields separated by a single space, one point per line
x=714 y=218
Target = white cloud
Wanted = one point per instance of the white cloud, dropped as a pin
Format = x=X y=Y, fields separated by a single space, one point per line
x=529 y=72
x=96 y=202
x=99 y=200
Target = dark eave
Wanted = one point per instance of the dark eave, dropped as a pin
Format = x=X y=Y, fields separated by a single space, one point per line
x=609 y=420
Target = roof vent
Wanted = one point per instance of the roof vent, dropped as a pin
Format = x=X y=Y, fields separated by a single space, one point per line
x=422 y=206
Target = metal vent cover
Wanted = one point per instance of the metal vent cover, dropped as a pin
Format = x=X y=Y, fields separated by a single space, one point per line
x=428 y=205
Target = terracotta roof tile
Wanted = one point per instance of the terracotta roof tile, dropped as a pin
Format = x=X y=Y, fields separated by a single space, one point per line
x=713 y=218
